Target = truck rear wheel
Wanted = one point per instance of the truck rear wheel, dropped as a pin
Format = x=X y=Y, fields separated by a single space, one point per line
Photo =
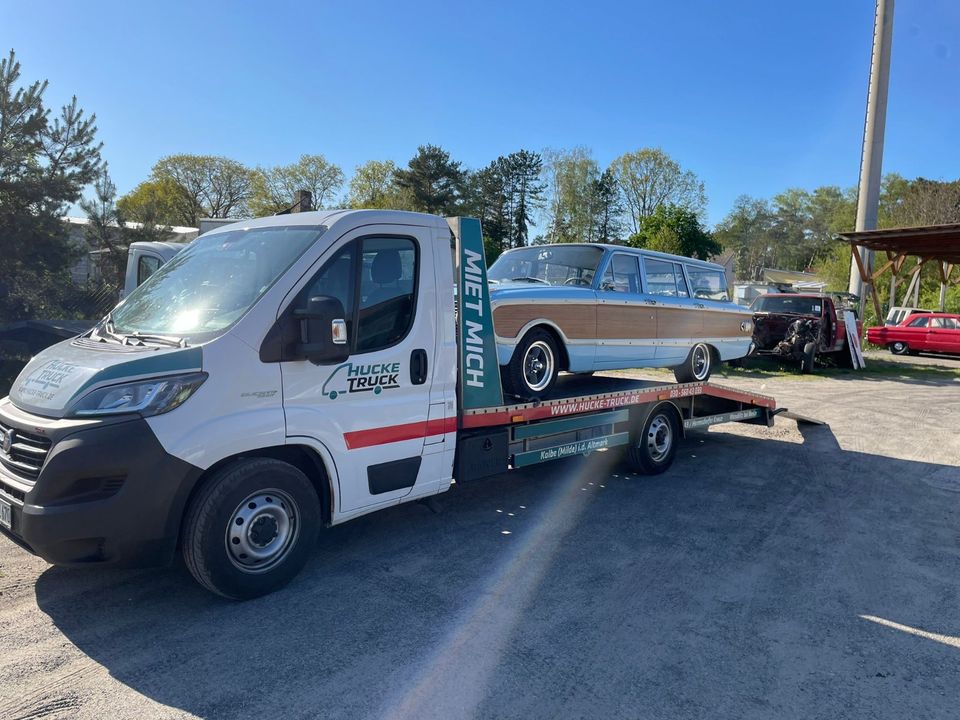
x=653 y=448
x=251 y=528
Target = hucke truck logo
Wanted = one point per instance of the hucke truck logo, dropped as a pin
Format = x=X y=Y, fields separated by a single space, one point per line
x=350 y=378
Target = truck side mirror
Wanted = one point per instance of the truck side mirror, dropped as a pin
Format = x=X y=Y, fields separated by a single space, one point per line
x=323 y=331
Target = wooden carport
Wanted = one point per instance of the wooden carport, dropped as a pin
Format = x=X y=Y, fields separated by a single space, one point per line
x=938 y=244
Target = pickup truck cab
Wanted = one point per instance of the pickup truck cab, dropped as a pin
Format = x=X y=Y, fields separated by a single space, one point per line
x=800 y=327
x=286 y=373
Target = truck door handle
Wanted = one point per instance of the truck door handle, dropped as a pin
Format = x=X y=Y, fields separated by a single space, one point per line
x=418 y=366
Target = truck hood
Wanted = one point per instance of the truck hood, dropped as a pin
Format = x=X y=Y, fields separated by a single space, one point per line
x=63 y=373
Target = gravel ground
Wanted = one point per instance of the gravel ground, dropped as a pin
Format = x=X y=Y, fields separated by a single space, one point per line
x=796 y=572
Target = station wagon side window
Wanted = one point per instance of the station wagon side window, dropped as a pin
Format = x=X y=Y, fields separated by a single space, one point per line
x=707 y=284
x=622 y=274
x=950 y=323
x=375 y=280
x=665 y=278
x=919 y=321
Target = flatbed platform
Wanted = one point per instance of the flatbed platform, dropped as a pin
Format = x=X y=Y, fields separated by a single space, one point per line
x=575 y=395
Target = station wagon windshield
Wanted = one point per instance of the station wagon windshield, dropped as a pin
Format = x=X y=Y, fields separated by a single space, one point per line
x=547 y=265
x=210 y=284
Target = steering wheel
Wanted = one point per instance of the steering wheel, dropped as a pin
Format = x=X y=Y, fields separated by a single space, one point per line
x=577 y=281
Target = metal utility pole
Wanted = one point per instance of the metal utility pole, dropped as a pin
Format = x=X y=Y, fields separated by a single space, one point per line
x=871 y=159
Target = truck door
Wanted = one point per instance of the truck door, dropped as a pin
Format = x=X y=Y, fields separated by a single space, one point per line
x=371 y=412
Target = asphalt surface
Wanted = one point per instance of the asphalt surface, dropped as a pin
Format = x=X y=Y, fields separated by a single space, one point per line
x=798 y=572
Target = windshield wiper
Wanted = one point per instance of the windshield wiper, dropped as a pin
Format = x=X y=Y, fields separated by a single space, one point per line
x=170 y=340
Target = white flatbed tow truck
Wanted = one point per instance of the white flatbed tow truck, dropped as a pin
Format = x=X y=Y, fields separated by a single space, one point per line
x=287 y=373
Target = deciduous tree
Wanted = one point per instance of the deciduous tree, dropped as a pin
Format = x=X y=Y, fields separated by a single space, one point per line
x=274 y=189
x=213 y=186
x=649 y=178
x=676 y=230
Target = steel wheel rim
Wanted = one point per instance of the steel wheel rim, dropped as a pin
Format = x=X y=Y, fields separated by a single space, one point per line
x=538 y=365
x=700 y=362
x=898 y=347
x=659 y=438
x=262 y=531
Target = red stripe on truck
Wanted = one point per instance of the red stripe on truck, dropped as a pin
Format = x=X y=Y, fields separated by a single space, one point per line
x=397 y=433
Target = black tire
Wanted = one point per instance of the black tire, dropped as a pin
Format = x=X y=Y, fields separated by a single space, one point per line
x=534 y=367
x=260 y=493
x=654 y=446
x=899 y=348
x=698 y=365
x=809 y=357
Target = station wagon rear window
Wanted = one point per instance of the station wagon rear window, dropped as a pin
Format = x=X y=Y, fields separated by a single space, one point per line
x=547 y=265
x=707 y=284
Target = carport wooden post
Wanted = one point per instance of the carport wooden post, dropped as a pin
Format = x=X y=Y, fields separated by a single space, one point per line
x=867 y=281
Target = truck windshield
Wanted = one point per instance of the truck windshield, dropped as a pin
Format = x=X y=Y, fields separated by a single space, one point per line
x=210 y=284
x=547 y=265
x=787 y=304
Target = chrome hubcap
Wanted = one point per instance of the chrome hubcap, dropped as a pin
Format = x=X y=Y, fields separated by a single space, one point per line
x=701 y=362
x=538 y=366
x=262 y=531
x=659 y=438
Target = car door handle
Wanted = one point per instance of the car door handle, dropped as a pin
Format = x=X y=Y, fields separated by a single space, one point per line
x=700 y=305
x=418 y=366
x=648 y=301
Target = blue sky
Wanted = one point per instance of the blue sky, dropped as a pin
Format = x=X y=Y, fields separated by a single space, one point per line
x=754 y=97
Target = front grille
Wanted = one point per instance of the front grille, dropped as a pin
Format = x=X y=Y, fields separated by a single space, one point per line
x=27 y=451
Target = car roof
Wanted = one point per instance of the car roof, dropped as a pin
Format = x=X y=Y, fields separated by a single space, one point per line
x=608 y=247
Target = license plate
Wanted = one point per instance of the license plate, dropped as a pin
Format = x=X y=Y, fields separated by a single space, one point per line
x=6 y=515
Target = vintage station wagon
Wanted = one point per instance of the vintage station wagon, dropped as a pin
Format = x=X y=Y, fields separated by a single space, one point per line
x=587 y=307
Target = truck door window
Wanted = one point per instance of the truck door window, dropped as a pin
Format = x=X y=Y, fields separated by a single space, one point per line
x=388 y=273
x=146 y=266
x=336 y=279
x=622 y=275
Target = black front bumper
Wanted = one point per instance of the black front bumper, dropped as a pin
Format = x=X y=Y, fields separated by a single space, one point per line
x=107 y=493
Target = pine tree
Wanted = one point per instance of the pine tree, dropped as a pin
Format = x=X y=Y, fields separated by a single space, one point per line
x=434 y=181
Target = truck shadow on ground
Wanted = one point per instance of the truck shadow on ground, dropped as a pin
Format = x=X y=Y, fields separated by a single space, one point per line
x=740 y=583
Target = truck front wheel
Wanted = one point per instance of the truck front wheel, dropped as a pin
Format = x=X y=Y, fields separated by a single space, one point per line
x=251 y=528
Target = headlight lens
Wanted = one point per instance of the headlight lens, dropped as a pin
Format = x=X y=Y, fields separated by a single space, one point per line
x=147 y=397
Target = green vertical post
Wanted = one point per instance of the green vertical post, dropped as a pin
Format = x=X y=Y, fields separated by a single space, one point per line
x=479 y=370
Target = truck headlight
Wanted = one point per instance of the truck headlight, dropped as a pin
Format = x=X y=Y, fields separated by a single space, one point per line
x=147 y=397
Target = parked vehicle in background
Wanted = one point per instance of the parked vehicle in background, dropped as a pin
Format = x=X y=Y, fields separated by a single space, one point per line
x=800 y=327
x=144 y=259
x=928 y=332
x=587 y=307
x=898 y=314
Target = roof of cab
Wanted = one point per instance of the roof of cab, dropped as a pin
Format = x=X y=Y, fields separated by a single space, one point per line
x=329 y=217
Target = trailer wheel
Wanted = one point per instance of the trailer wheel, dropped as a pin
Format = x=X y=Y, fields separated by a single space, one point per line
x=251 y=528
x=653 y=448
x=809 y=357
x=697 y=366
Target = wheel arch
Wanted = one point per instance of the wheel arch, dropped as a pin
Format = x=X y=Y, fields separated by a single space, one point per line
x=302 y=456
x=563 y=362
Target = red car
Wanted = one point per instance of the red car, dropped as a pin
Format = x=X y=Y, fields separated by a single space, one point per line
x=936 y=332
